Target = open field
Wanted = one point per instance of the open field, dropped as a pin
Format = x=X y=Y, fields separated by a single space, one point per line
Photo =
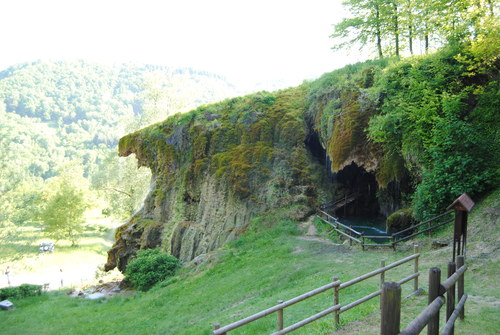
x=271 y=264
x=19 y=251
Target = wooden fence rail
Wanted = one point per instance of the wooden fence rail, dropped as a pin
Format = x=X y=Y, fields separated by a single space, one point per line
x=430 y=315
x=337 y=307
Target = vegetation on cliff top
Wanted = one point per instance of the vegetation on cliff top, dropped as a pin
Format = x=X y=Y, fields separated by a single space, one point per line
x=238 y=140
x=432 y=118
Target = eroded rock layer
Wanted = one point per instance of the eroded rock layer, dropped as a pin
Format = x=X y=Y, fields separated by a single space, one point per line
x=216 y=168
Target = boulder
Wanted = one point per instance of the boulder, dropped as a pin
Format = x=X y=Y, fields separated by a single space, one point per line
x=6 y=305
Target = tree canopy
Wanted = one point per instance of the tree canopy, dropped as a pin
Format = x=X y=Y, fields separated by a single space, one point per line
x=394 y=27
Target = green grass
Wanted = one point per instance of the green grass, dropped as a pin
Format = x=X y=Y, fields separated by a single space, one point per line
x=267 y=265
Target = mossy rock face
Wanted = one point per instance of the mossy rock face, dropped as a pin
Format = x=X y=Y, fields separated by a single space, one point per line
x=399 y=220
x=137 y=234
x=218 y=166
x=213 y=169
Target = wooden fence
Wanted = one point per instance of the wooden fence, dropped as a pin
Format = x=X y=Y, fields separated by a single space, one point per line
x=337 y=307
x=391 y=303
x=391 y=240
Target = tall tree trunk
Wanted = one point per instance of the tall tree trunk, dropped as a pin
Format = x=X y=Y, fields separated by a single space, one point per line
x=396 y=28
x=491 y=7
x=426 y=38
x=409 y=14
x=410 y=38
x=378 y=32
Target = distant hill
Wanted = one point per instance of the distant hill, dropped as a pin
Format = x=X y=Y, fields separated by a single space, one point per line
x=83 y=107
x=52 y=113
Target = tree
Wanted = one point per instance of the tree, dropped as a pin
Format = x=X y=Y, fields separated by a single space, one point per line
x=394 y=24
x=65 y=206
x=365 y=27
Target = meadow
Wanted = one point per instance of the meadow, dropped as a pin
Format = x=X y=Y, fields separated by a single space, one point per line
x=275 y=260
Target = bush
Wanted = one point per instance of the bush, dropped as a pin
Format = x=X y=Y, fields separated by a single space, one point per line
x=18 y=292
x=150 y=267
x=400 y=220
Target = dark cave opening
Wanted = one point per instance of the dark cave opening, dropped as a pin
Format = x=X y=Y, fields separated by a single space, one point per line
x=315 y=147
x=350 y=182
x=359 y=188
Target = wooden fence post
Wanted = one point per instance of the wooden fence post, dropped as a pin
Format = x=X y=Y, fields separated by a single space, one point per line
x=450 y=295
x=382 y=279
x=280 y=316
x=391 y=309
x=416 y=250
x=382 y=274
x=460 y=286
x=434 y=283
x=363 y=241
x=336 y=301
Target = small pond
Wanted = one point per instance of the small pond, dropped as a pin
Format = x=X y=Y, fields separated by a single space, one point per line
x=370 y=226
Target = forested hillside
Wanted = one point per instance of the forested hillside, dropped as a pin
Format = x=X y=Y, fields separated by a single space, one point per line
x=58 y=115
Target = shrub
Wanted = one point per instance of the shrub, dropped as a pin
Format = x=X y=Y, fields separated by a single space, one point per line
x=400 y=220
x=150 y=267
x=19 y=292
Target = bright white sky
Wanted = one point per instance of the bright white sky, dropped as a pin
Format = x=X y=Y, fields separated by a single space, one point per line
x=247 y=41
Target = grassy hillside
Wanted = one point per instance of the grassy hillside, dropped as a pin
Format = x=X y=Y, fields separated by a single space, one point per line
x=274 y=260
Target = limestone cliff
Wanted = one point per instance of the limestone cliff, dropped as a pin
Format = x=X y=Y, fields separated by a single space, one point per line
x=378 y=132
x=216 y=168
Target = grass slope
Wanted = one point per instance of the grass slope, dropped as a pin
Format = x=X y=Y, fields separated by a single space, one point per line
x=274 y=261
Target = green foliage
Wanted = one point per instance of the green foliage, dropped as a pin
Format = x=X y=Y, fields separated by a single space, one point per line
x=52 y=113
x=150 y=267
x=438 y=118
x=391 y=27
x=65 y=205
x=19 y=292
x=400 y=220
x=472 y=168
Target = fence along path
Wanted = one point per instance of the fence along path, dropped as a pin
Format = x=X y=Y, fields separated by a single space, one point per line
x=391 y=303
x=341 y=202
x=392 y=240
x=337 y=307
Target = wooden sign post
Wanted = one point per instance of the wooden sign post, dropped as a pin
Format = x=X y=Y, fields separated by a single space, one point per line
x=462 y=207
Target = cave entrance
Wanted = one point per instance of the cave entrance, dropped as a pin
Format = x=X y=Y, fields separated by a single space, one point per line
x=359 y=190
x=354 y=187
x=315 y=147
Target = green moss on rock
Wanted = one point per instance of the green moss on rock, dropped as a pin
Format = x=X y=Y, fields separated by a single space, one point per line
x=400 y=220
